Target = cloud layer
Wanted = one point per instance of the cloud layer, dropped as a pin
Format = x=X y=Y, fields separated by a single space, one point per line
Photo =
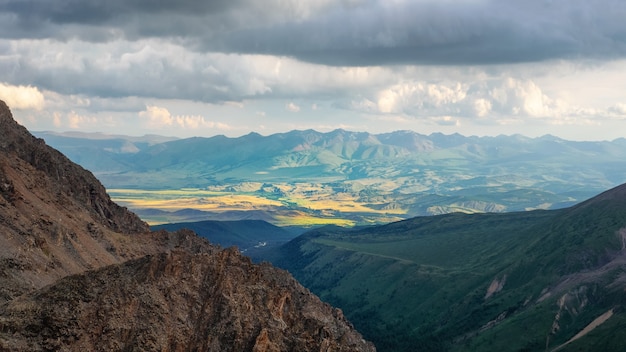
x=342 y=33
x=471 y=66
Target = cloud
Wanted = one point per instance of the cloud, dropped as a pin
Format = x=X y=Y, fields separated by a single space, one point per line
x=76 y=121
x=160 y=118
x=497 y=100
x=419 y=96
x=372 y=63
x=440 y=32
x=21 y=97
x=482 y=107
x=156 y=69
x=446 y=121
x=292 y=107
x=341 y=33
x=618 y=109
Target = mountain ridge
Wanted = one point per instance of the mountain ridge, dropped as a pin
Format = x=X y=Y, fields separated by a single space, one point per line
x=460 y=282
x=161 y=302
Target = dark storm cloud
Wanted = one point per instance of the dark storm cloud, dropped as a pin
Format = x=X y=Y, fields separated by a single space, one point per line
x=99 y=21
x=446 y=33
x=95 y=12
x=348 y=32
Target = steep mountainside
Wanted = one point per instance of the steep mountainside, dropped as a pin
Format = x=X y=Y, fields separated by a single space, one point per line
x=78 y=272
x=55 y=217
x=529 y=281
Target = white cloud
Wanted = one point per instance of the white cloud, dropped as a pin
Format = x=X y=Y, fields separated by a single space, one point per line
x=439 y=95
x=524 y=97
x=56 y=119
x=77 y=121
x=362 y=105
x=482 y=107
x=292 y=107
x=161 y=118
x=446 y=121
x=158 y=117
x=22 y=97
x=618 y=110
x=408 y=97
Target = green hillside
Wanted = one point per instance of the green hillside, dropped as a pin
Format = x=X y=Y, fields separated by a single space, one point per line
x=483 y=282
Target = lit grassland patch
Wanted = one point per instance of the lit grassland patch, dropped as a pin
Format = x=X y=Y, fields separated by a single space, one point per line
x=315 y=204
x=216 y=202
x=344 y=203
x=161 y=193
x=306 y=220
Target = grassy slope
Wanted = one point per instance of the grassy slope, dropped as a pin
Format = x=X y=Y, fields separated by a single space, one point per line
x=422 y=283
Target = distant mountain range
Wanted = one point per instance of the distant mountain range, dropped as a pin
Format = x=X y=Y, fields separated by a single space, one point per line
x=362 y=178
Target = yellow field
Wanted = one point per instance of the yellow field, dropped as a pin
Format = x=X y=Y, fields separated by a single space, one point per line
x=306 y=220
x=314 y=204
x=222 y=203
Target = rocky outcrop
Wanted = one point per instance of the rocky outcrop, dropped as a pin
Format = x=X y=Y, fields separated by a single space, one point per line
x=52 y=172
x=80 y=273
x=177 y=302
x=56 y=218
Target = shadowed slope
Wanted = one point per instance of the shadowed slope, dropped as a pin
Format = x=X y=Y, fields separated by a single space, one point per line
x=480 y=282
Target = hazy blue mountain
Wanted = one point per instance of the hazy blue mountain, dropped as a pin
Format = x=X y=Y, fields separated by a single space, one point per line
x=100 y=152
x=522 y=281
x=411 y=173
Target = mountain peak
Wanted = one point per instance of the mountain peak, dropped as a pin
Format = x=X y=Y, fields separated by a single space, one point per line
x=66 y=177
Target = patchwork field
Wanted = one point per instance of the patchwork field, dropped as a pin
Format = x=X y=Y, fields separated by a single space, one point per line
x=301 y=204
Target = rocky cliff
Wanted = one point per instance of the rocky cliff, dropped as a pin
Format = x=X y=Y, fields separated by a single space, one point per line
x=56 y=219
x=78 y=272
x=177 y=302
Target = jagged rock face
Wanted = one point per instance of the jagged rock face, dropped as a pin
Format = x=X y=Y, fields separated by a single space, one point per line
x=56 y=218
x=178 y=302
x=80 y=273
x=52 y=171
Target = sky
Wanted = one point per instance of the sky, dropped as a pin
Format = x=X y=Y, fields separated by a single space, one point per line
x=202 y=68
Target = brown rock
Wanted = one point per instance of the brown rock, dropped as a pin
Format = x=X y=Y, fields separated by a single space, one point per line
x=177 y=301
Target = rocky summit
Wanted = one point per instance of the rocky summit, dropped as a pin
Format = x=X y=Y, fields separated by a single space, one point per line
x=78 y=272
